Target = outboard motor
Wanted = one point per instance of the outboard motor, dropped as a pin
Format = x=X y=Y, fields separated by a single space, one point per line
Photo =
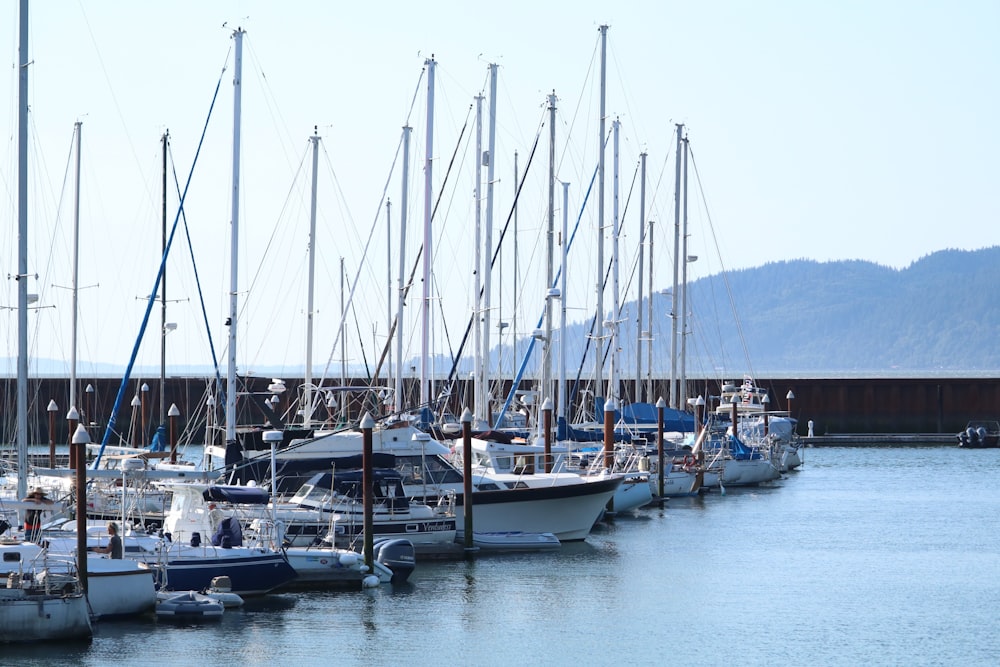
x=398 y=555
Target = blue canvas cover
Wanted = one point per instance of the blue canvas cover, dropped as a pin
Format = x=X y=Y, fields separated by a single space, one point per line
x=229 y=534
x=646 y=414
x=244 y=495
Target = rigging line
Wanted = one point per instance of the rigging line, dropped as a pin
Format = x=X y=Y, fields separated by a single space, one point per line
x=659 y=178
x=49 y=197
x=604 y=351
x=197 y=280
x=580 y=97
x=555 y=280
x=270 y=100
x=58 y=218
x=635 y=260
x=416 y=262
x=725 y=273
x=371 y=235
x=621 y=224
x=114 y=98
x=420 y=251
x=625 y=95
x=156 y=284
x=435 y=282
x=364 y=355
x=496 y=253
x=245 y=305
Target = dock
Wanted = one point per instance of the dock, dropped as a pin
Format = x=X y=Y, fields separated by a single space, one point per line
x=881 y=440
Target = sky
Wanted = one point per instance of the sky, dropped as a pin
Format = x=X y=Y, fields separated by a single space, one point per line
x=826 y=131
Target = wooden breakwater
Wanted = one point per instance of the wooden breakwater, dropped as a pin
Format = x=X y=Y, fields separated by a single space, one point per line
x=835 y=406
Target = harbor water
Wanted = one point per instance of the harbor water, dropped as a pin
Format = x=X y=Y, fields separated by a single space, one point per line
x=885 y=556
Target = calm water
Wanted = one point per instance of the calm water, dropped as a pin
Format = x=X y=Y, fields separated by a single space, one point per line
x=864 y=556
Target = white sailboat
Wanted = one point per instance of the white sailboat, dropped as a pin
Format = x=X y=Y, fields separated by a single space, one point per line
x=32 y=606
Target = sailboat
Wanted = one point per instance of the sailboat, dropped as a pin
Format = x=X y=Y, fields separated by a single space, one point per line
x=33 y=607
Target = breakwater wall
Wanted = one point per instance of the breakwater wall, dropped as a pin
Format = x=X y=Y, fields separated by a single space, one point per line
x=834 y=405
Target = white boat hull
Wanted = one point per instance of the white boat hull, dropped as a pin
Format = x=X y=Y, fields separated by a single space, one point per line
x=119 y=587
x=568 y=512
x=32 y=618
x=634 y=492
x=745 y=472
x=676 y=483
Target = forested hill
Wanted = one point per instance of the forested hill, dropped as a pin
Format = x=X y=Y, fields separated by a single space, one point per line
x=942 y=313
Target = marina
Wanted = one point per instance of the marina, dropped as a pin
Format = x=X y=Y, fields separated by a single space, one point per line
x=588 y=505
x=862 y=556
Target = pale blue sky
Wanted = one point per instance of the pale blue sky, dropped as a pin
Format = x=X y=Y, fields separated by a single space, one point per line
x=822 y=130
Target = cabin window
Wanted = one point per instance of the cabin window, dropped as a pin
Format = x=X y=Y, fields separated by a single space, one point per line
x=503 y=463
x=12 y=557
x=524 y=464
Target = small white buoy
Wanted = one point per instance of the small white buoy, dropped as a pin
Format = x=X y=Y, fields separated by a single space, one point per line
x=348 y=559
x=370 y=581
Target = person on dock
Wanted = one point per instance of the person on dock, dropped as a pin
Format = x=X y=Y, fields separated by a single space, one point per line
x=114 y=545
x=33 y=517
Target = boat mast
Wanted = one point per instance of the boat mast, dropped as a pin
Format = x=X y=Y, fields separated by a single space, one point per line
x=388 y=282
x=613 y=384
x=599 y=347
x=677 y=260
x=550 y=232
x=514 y=307
x=78 y=132
x=231 y=443
x=22 y=253
x=343 y=343
x=488 y=264
x=163 y=284
x=477 y=356
x=561 y=406
x=401 y=291
x=642 y=335
x=649 y=320
x=425 y=389
x=307 y=400
x=684 y=285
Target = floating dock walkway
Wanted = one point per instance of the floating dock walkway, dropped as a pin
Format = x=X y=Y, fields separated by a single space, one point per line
x=882 y=440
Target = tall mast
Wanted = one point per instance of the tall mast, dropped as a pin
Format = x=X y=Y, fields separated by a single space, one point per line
x=488 y=264
x=307 y=400
x=343 y=342
x=562 y=304
x=401 y=290
x=425 y=329
x=550 y=232
x=514 y=309
x=613 y=384
x=599 y=320
x=22 y=253
x=163 y=284
x=641 y=335
x=477 y=315
x=684 y=285
x=234 y=246
x=677 y=260
x=388 y=276
x=649 y=320
x=78 y=132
